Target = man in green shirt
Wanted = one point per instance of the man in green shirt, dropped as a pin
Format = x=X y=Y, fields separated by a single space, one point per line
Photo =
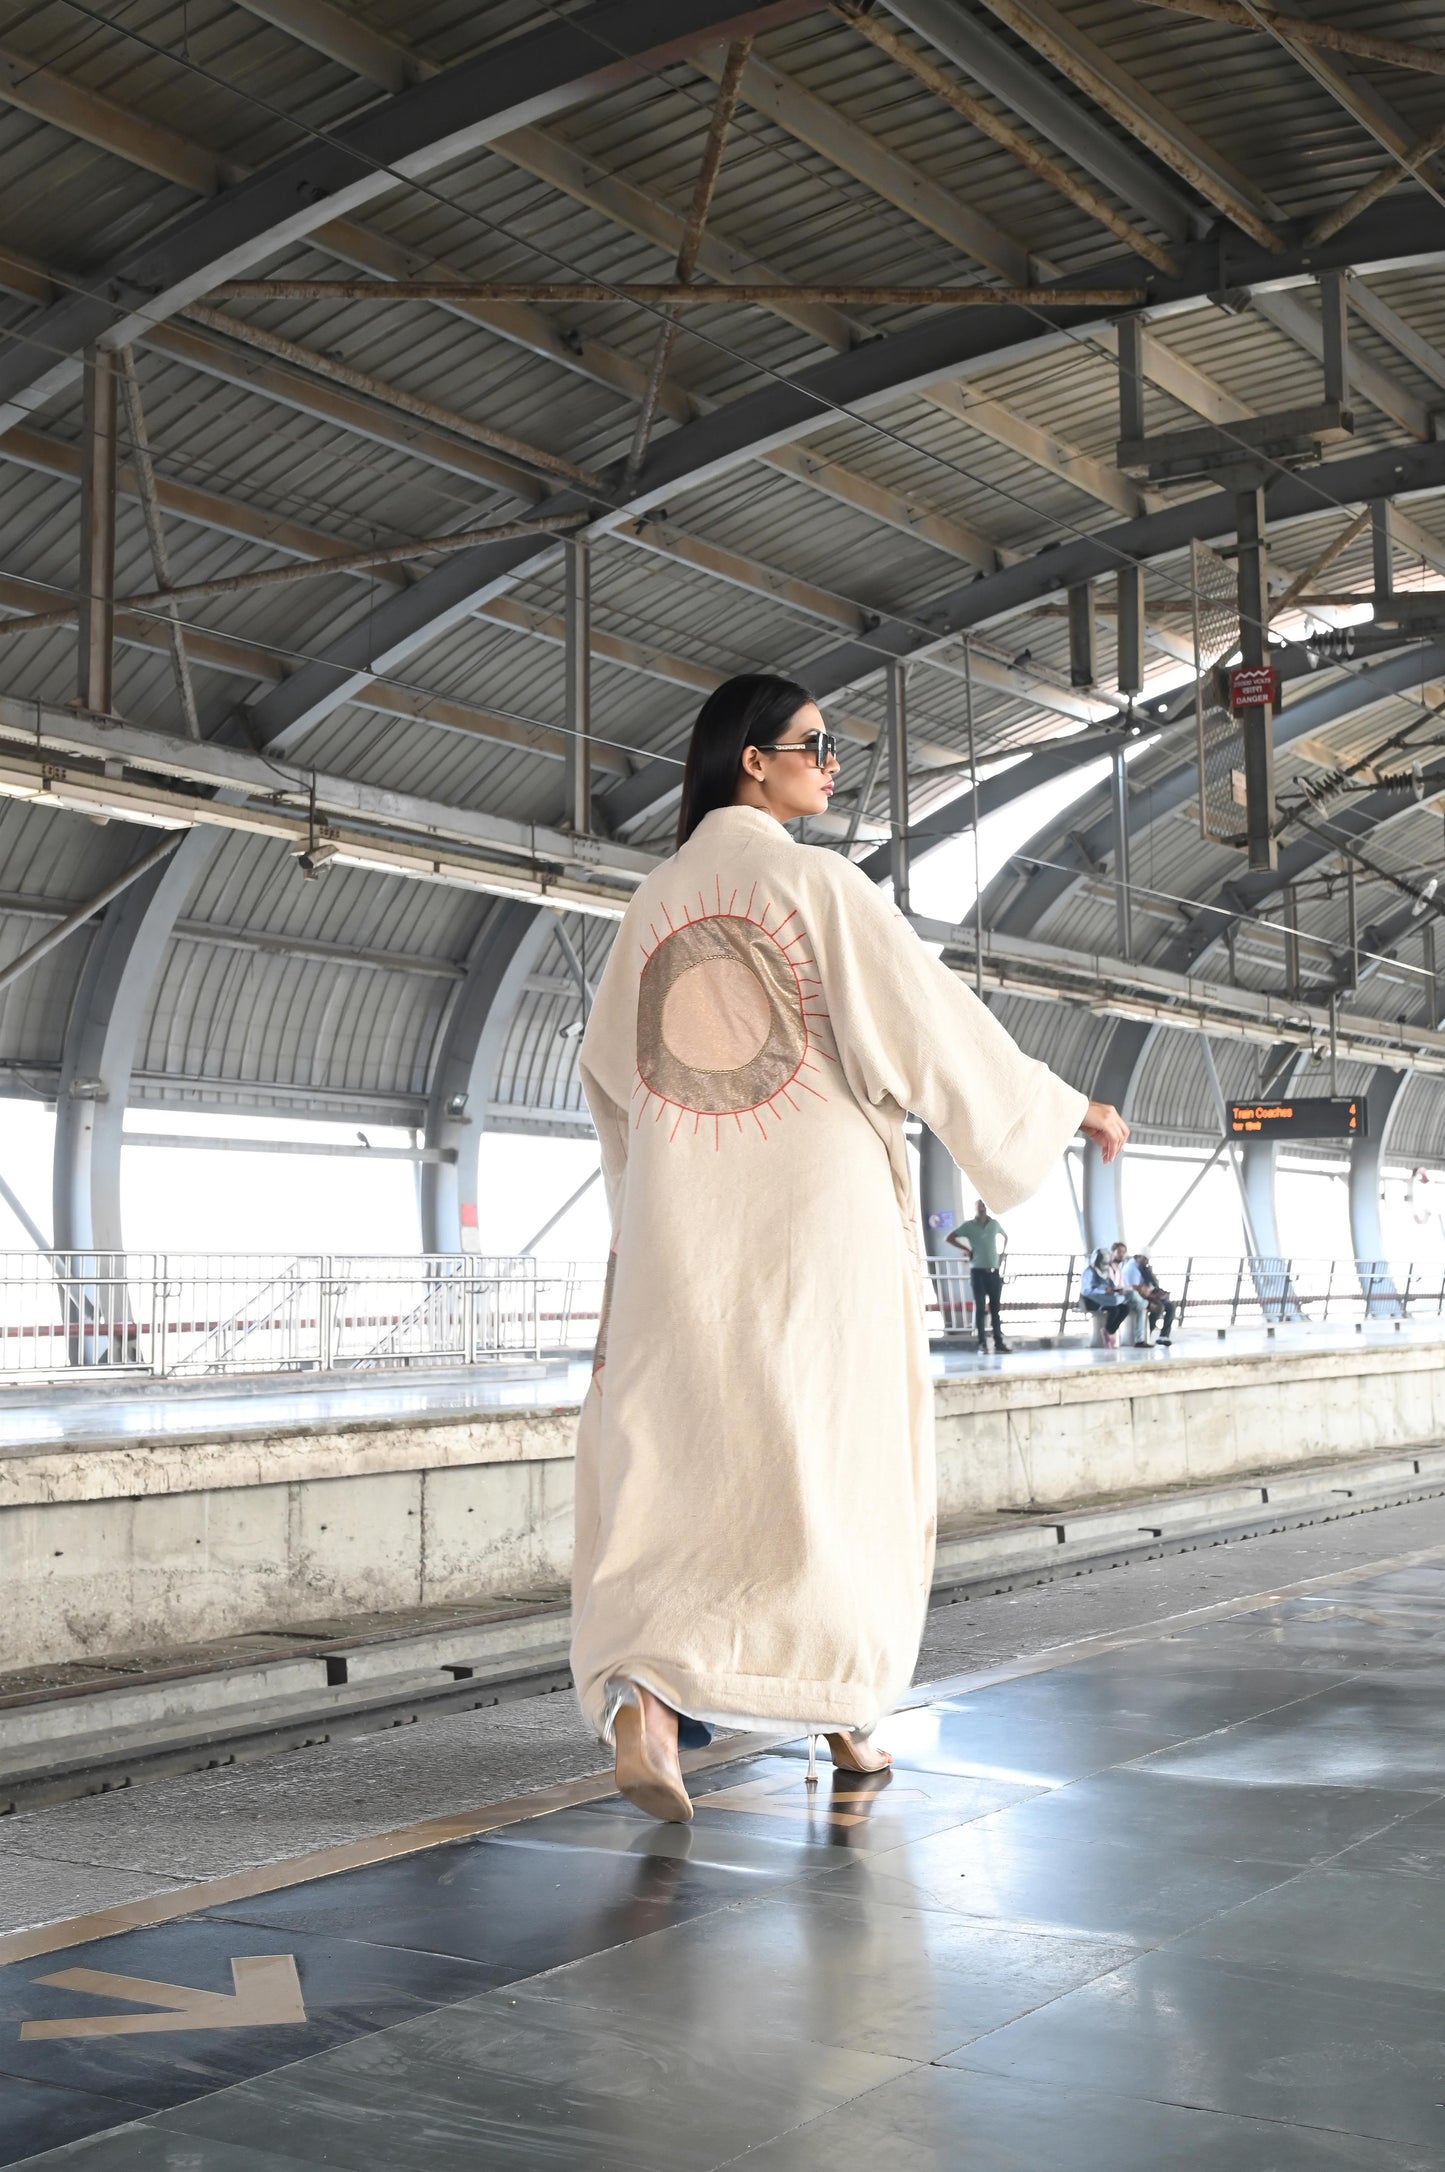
x=984 y=1243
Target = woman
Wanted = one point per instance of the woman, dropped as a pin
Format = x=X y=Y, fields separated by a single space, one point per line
x=1099 y=1292
x=755 y=1483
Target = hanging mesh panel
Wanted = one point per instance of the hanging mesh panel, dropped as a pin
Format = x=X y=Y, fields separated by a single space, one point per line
x=1215 y=588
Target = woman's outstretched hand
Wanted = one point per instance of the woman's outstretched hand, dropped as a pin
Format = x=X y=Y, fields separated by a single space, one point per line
x=1106 y=1127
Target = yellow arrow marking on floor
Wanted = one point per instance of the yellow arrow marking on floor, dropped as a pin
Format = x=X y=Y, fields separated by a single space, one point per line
x=267 y=1995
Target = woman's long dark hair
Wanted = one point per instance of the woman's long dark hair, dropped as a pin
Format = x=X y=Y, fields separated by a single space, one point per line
x=753 y=710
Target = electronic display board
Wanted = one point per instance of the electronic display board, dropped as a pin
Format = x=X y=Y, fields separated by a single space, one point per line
x=1325 y=1117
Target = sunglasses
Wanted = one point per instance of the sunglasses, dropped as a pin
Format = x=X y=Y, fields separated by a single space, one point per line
x=821 y=745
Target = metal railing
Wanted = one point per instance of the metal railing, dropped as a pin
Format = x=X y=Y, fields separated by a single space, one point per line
x=1041 y=1292
x=193 y=1315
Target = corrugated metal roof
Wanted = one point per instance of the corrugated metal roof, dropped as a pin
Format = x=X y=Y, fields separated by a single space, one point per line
x=217 y=77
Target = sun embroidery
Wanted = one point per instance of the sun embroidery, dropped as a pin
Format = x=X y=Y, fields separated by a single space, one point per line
x=729 y=1017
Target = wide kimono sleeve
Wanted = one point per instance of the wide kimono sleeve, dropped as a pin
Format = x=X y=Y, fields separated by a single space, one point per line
x=910 y=1034
x=608 y=1061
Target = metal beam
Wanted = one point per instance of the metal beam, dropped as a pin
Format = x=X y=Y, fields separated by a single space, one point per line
x=178 y=159
x=992 y=419
x=165 y=601
x=1392 y=471
x=198 y=1142
x=1410 y=345
x=577 y=661
x=519 y=459
x=944 y=531
x=67 y=104
x=1257 y=723
x=1297 y=319
x=1143 y=116
x=51 y=755
x=1101 y=151
x=1316 y=711
x=1389 y=177
x=560 y=63
x=155 y=531
x=685 y=267
x=17 y=968
x=1123 y=902
x=898 y=797
x=102 y=1036
x=630 y=207
x=267 y=667
x=999 y=129
x=1285 y=22
x=96 y=580
x=372 y=417
x=1126 y=1045
x=851 y=148
x=670 y=295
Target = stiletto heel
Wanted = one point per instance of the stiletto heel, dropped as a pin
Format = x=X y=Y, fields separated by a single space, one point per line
x=646 y=1769
x=812 y=1779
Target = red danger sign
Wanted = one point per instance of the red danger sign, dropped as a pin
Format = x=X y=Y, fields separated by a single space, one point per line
x=1253 y=686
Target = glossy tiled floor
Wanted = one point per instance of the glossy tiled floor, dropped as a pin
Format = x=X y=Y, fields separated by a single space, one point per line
x=1174 y=1903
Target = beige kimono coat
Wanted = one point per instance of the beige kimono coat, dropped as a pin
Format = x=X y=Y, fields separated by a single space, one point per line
x=755 y=1479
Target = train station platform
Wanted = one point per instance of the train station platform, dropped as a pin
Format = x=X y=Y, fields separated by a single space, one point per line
x=1165 y=1899
x=138 y=1515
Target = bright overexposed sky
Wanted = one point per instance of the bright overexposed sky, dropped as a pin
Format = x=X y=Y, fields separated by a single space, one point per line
x=194 y=1200
x=941 y=882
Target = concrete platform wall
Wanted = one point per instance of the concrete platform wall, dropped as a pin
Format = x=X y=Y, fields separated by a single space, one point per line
x=109 y=1549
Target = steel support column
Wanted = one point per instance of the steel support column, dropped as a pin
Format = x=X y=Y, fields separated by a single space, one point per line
x=940 y=1209
x=1083 y=636
x=940 y=1195
x=1257 y=725
x=96 y=583
x=506 y=951
x=1103 y=1195
x=577 y=646
x=1367 y=1158
x=898 y=806
x=1123 y=899
x=107 y=1013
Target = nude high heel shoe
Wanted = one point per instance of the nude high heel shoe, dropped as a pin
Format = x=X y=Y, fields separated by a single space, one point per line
x=850 y=1753
x=647 y=1768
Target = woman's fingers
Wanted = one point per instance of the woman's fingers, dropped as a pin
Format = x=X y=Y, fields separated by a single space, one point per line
x=1106 y=1127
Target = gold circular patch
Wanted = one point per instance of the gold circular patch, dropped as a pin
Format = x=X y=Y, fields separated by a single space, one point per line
x=716 y=1016
x=721 y=1023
